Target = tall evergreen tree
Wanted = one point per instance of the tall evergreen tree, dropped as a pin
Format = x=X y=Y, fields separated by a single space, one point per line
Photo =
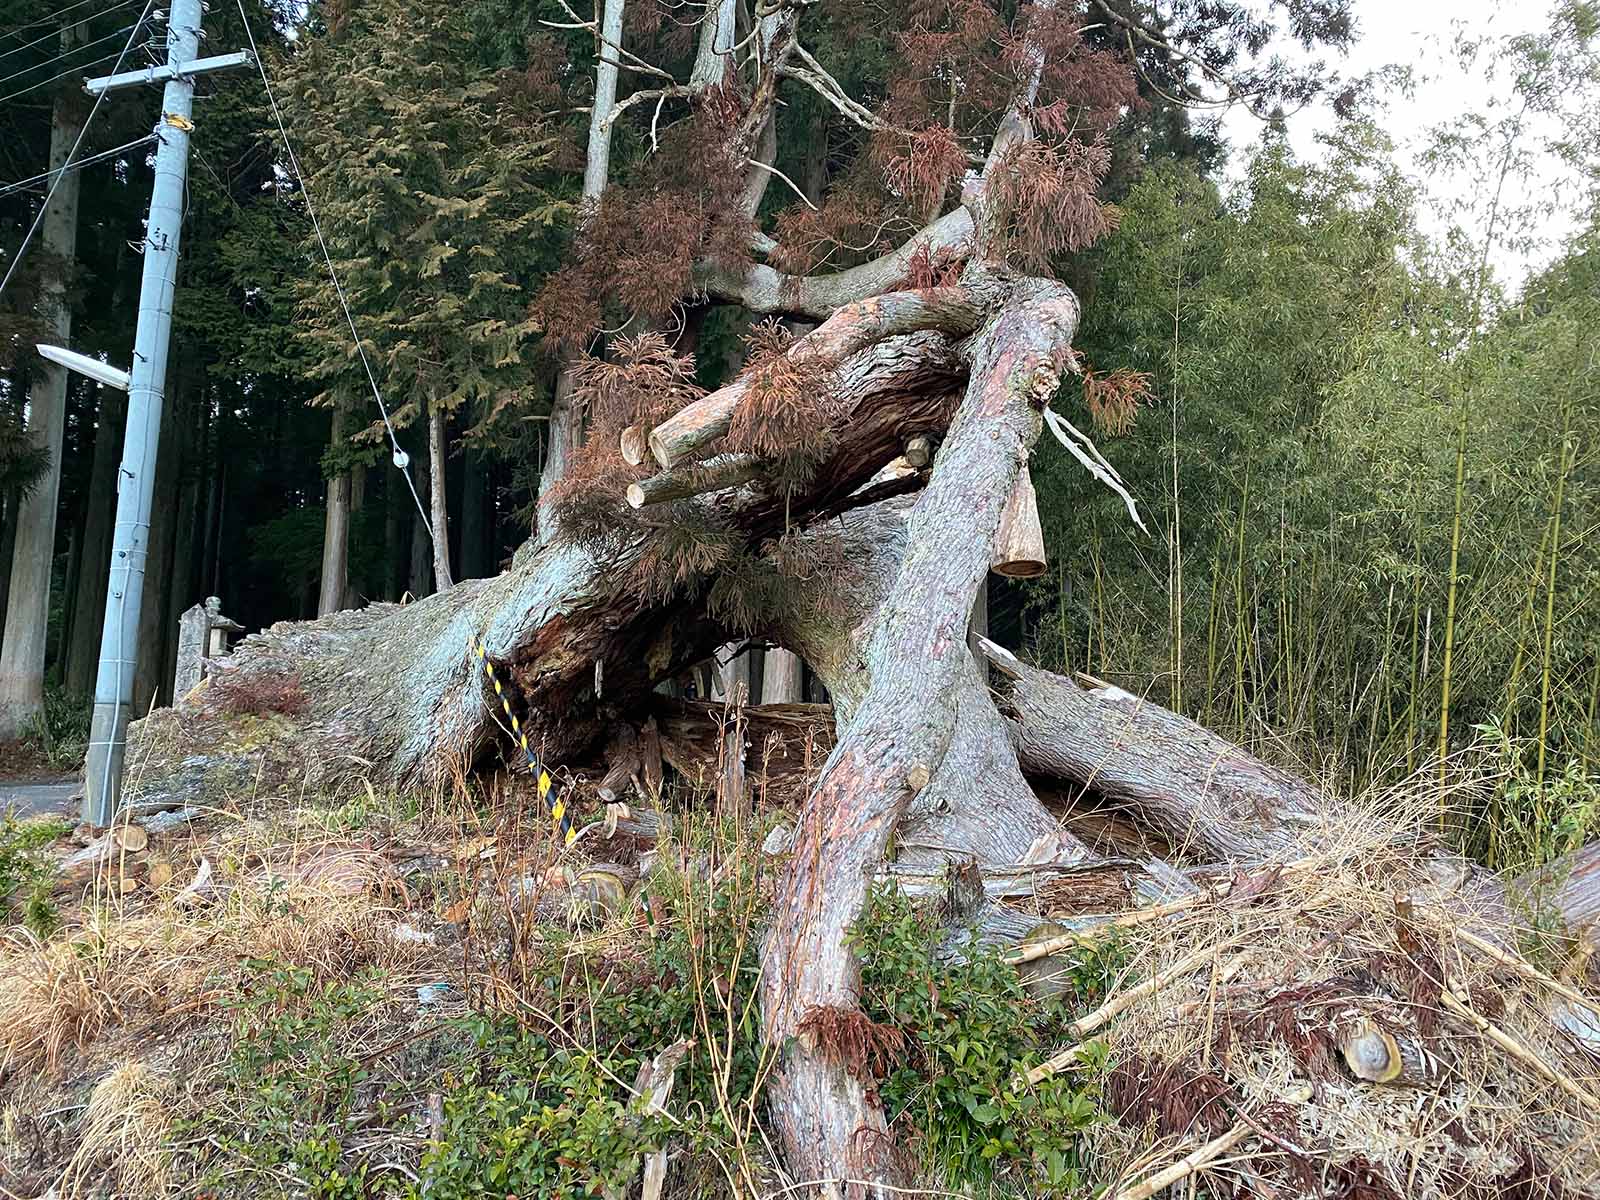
x=424 y=170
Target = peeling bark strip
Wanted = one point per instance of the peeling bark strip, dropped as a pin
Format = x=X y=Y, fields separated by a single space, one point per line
x=916 y=655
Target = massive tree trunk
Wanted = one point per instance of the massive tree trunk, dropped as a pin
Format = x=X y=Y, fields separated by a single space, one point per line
x=916 y=669
x=395 y=686
x=878 y=575
x=27 y=611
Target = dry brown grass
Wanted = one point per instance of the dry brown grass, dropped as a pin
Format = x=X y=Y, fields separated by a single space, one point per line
x=123 y=1137
x=323 y=905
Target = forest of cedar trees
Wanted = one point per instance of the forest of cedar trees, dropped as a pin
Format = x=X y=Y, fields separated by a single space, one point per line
x=842 y=598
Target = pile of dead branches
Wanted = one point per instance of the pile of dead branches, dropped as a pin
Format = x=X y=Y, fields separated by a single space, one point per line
x=1341 y=1024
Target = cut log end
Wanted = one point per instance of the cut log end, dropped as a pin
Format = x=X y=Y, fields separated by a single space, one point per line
x=635 y=446
x=636 y=496
x=1019 y=545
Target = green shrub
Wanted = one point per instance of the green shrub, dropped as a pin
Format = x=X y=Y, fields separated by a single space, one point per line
x=974 y=1030
x=531 y=1119
x=25 y=869
x=292 y=1081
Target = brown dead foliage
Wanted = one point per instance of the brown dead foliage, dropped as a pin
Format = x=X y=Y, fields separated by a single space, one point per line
x=1283 y=1018
x=1359 y=928
x=849 y=1037
x=1044 y=200
x=1177 y=1098
x=1115 y=397
x=260 y=695
x=791 y=405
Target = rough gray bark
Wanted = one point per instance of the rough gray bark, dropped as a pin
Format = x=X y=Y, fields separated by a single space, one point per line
x=597 y=163
x=396 y=688
x=1206 y=796
x=765 y=289
x=22 y=648
x=715 y=48
x=335 y=579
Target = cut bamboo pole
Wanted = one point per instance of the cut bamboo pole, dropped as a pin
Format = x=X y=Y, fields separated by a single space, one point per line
x=1186 y=1166
x=1086 y=1025
x=1139 y=916
x=1019 y=545
x=1518 y=1051
x=1525 y=968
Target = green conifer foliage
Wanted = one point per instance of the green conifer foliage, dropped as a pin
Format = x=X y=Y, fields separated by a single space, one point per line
x=425 y=170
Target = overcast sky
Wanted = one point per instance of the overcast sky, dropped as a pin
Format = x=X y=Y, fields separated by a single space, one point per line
x=1420 y=34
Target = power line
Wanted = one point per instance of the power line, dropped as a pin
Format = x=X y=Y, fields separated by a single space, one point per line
x=7 y=189
x=55 y=33
x=401 y=458
x=61 y=172
x=60 y=12
x=73 y=70
x=65 y=54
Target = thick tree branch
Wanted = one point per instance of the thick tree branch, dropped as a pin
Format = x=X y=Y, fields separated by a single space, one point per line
x=1204 y=794
x=695 y=479
x=952 y=310
x=764 y=289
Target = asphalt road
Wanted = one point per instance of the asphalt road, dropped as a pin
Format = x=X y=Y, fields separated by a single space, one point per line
x=40 y=799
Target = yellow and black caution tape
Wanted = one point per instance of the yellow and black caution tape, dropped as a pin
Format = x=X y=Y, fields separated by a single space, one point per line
x=547 y=784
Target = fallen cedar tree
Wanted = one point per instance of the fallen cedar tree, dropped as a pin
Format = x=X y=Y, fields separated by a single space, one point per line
x=1337 y=1007
x=672 y=541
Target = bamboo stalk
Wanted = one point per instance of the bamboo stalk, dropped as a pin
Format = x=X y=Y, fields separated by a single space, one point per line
x=1450 y=601
x=1550 y=587
x=1416 y=641
x=1190 y=1163
x=1139 y=916
x=1240 y=625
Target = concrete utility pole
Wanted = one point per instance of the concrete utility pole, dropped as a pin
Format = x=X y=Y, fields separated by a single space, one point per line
x=119 y=641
